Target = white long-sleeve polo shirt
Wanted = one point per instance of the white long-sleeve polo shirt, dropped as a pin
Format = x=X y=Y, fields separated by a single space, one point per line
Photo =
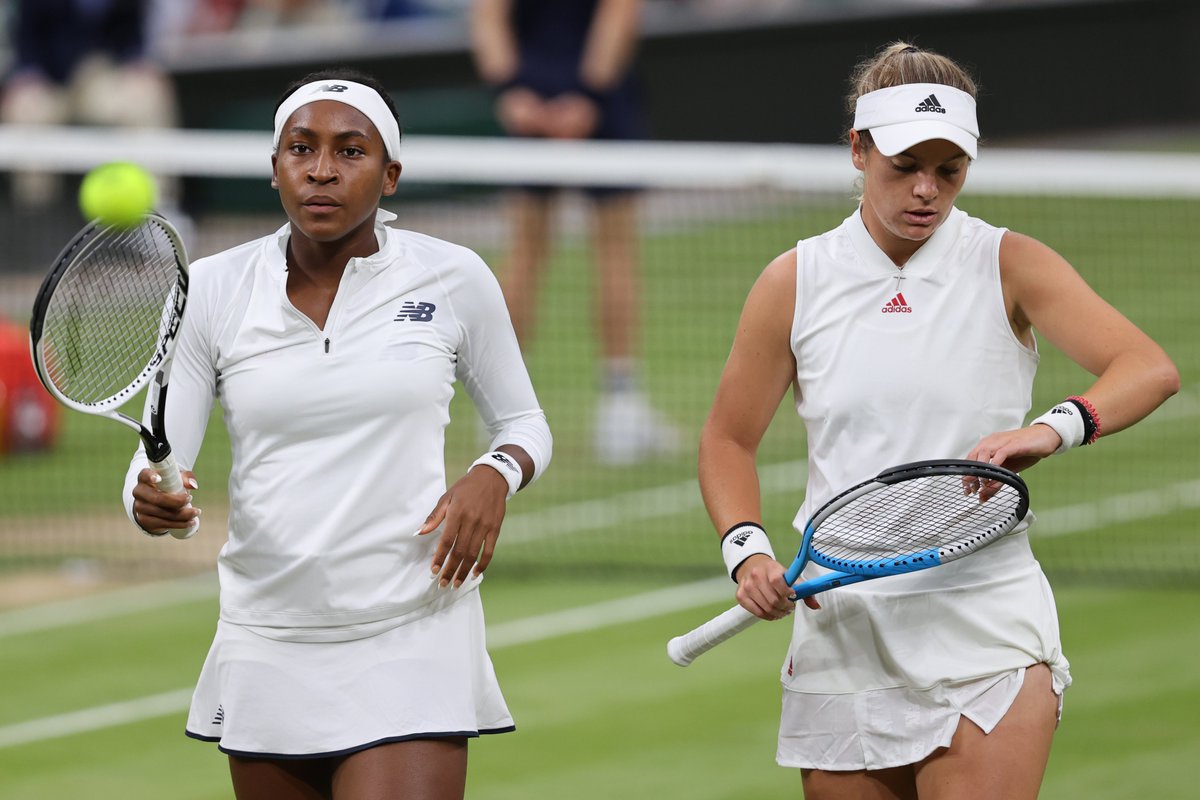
x=337 y=434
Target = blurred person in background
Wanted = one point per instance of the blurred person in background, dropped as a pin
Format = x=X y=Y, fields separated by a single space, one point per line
x=81 y=62
x=562 y=70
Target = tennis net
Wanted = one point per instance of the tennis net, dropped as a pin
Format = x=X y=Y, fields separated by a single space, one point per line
x=708 y=218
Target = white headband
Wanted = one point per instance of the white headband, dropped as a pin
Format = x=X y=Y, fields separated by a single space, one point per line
x=355 y=95
x=900 y=116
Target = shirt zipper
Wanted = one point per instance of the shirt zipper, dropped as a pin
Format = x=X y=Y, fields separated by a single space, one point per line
x=343 y=288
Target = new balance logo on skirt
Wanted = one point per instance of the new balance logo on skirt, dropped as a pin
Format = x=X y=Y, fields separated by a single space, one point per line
x=897 y=305
x=930 y=104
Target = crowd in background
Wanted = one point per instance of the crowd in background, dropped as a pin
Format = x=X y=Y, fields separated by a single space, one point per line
x=167 y=19
x=189 y=17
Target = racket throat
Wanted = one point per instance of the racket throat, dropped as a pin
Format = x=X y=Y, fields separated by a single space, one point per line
x=156 y=450
x=154 y=439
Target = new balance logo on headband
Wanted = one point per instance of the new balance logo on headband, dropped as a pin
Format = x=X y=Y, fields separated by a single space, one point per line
x=415 y=312
x=930 y=104
x=334 y=87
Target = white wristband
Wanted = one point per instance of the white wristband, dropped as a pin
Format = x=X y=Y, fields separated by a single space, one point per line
x=506 y=465
x=1067 y=422
x=742 y=541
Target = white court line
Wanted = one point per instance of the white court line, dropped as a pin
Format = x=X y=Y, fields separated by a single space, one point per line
x=634 y=608
x=115 y=603
x=1117 y=509
x=91 y=719
x=506 y=634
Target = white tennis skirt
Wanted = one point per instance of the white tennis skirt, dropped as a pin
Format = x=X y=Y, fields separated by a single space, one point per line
x=429 y=678
x=882 y=674
x=889 y=727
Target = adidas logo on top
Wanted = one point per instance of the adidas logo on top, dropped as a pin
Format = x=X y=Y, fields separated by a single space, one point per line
x=897 y=305
x=930 y=104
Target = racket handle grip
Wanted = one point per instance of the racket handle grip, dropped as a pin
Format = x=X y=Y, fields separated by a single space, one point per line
x=172 y=482
x=685 y=649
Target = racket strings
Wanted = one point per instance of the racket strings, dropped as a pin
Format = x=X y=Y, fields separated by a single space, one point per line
x=108 y=313
x=914 y=516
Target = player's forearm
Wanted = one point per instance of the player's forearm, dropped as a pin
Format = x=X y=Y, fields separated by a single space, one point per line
x=1132 y=386
x=611 y=42
x=728 y=481
x=493 y=43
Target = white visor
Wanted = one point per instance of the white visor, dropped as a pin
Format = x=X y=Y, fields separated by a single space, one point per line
x=355 y=95
x=901 y=116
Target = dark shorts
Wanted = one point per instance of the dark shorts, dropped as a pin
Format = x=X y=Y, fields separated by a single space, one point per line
x=621 y=119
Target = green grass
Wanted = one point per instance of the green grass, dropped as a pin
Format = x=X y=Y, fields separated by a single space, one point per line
x=603 y=713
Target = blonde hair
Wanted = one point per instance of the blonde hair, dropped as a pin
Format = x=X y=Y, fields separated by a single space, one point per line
x=899 y=63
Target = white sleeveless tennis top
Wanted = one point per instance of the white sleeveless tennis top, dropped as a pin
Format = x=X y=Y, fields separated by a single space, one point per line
x=897 y=365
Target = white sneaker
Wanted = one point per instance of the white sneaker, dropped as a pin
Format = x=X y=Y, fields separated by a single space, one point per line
x=629 y=430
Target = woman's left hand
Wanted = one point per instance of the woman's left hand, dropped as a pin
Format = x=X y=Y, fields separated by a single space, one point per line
x=470 y=513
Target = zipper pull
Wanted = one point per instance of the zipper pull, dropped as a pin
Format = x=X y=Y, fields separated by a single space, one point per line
x=326 y=345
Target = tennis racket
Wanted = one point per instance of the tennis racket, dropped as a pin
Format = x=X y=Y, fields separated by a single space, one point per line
x=905 y=519
x=104 y=325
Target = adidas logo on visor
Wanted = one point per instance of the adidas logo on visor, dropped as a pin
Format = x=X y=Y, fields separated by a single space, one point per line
x=930 y=104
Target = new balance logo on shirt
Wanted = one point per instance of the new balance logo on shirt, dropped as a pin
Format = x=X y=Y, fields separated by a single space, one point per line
x=413 y=311
x=930 y=104
x=897 y=305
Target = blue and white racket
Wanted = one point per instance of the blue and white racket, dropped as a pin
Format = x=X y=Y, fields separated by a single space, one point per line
x=906 y=518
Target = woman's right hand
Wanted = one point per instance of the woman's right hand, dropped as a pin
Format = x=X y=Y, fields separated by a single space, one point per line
x=155 y=510
x=763 y=591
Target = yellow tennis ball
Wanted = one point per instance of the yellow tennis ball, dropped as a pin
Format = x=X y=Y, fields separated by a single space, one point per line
x=117 y=194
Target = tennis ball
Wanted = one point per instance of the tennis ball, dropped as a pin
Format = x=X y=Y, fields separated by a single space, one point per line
x=117 y=194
